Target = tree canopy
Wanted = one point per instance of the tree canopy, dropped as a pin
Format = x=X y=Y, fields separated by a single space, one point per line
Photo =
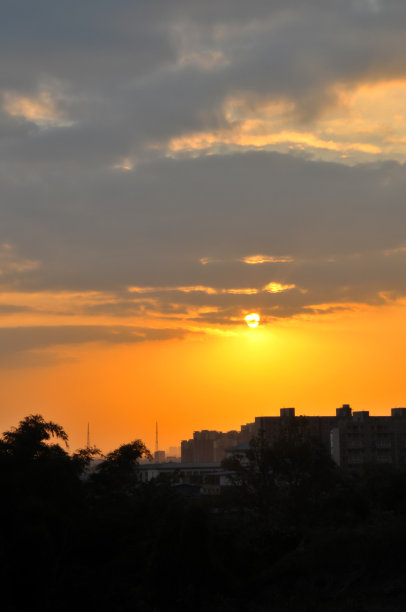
x=28 y=440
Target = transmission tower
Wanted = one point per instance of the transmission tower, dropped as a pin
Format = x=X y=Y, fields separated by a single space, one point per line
x=156 y=437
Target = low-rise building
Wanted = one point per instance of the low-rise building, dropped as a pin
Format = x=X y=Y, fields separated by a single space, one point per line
x=209 y=477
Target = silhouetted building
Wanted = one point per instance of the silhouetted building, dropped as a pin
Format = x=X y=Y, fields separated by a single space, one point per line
x=247 y=432
x=186 y=450
x=159 y=456
x=314 y=427
x=239 y=450
x=352 y=438
x=224 y=442
x=209 y=475
x=208 y=446
x=203 y=445
x=359 y=439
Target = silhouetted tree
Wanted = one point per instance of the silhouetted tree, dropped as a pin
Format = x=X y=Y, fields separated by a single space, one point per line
x=307 y=536
x=42 y=496
x=83 y=457
x=29 y=462
x=285 y=476
x=384 y=485
x=118 y=470
x=28 y=440
x=252 y=476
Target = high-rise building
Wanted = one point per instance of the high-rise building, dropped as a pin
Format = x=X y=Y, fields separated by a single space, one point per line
x=206 y=446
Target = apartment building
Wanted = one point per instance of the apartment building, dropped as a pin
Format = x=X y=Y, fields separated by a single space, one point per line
x=353 y=438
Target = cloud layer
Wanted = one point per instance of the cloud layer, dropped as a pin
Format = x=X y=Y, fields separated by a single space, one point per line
x=221 y=157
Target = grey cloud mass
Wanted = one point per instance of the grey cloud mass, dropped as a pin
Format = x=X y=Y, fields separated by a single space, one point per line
x=22 y=346
x=121 y=80
x=130 y=73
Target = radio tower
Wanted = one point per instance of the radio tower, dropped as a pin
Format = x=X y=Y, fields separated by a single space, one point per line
x=88 y=436
x=156 y=437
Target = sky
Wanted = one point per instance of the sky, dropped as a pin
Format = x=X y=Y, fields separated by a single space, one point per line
x=167 y=168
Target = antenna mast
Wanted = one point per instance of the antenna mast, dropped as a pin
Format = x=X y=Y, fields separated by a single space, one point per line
x=156 y=437
x=88 y=436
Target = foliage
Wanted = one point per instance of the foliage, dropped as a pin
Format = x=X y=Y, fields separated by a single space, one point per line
x=118 y=470
x=294 y=534
x=83 y=457
x=286 y=477
x=125 y=456
x=28 y=439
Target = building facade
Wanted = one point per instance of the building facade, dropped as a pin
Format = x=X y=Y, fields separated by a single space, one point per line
x=352 y=438
x=208 y=446
x=359 y=439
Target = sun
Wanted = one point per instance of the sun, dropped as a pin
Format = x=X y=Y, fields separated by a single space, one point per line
x=252 y=320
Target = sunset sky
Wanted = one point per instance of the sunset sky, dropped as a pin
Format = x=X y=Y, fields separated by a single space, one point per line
x=170 y=166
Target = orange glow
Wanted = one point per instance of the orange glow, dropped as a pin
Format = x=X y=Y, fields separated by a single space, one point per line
x=262 y=138
x=277 y=287
x=313 y=363
x=260 y=259
x=42 y=109
x=364 y=121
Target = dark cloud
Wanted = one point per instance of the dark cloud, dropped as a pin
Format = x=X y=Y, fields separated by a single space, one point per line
x=152 y=226
x=132 y=74
x=27 y=346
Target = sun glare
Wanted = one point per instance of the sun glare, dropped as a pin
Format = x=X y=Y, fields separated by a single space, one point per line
x=252 y=320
